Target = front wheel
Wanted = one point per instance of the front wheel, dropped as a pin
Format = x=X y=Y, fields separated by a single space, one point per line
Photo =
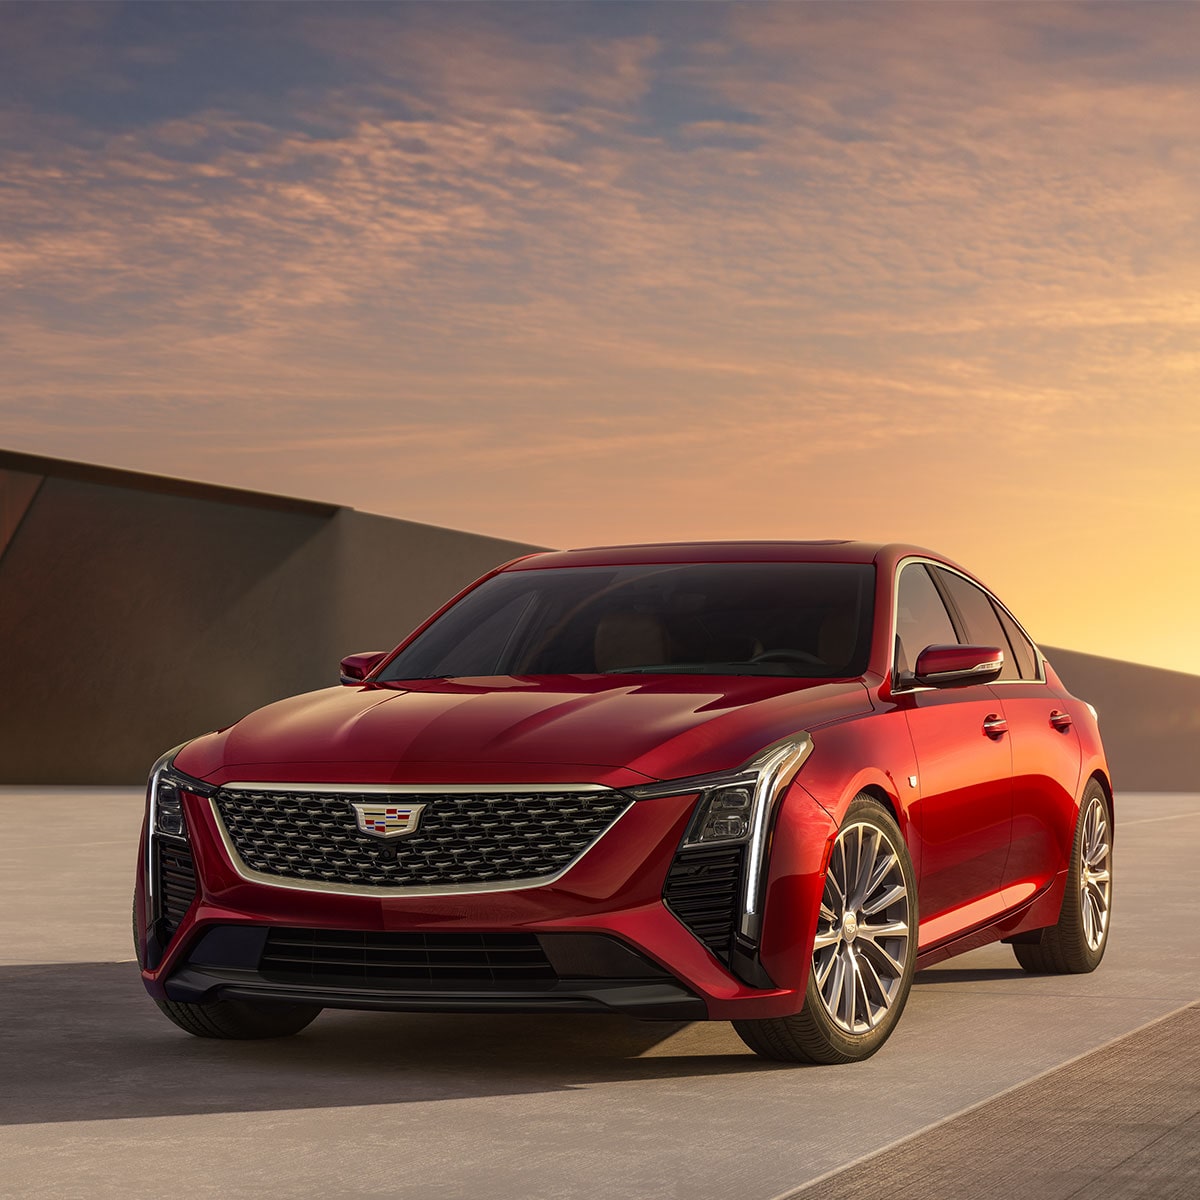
x=864 y=951
x=1076 y=944
x=241 y=1020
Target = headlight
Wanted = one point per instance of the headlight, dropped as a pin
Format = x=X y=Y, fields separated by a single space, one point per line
x=168 y=808
x=736 y=806
x=723 y=815
x=163 y=800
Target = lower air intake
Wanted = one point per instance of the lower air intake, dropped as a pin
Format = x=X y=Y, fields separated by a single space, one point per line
x=387 y=959
x=702 y=890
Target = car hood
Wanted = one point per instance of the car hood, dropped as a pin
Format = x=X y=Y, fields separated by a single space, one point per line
x=604 y=728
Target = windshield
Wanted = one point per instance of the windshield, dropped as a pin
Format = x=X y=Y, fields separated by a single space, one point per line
x=811 y=620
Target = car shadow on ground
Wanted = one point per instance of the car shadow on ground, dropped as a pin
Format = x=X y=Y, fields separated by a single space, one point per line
x=82 y=1041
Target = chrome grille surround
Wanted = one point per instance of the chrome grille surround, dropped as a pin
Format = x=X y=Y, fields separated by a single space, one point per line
x=472 y=838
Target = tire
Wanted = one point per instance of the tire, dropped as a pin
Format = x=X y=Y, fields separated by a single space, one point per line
x=1076 y=944
x=240 y=1020
x=832 y=1027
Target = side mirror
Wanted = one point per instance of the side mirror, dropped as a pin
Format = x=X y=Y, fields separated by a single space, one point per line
x=958 y=666
x=356 y=667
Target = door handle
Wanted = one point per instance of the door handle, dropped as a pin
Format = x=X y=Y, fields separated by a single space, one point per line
x=1060 y=720
x=995 y=726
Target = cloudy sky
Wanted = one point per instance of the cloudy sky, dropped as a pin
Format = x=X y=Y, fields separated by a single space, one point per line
x=577 y=274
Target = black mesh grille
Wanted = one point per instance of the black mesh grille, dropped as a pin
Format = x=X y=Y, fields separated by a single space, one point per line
x=176 y=881
x=387 y=959
x=462 y=838
x=702 y=890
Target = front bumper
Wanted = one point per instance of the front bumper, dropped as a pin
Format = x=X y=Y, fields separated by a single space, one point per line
x=414 y=972
x=614 y=890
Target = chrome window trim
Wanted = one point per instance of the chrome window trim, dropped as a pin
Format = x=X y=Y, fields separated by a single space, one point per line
x=289 y=883
x=1038 y=657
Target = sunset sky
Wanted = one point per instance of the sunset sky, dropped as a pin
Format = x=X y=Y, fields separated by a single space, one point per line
x=578 y=274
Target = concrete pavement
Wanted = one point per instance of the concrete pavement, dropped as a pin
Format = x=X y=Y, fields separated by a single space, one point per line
x=100 y=1096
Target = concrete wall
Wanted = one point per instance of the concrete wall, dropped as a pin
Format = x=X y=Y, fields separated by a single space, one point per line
x=137 y=611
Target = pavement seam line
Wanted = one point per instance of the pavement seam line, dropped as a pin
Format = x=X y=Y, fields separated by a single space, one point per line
x=1155 y=820
x=799 y=1190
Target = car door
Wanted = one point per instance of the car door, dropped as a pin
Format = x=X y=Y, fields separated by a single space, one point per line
x=1045 y=745
x=964 y=781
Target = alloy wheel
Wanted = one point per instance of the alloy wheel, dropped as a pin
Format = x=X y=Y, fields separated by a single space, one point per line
x=863 y=937
x=1095 y=872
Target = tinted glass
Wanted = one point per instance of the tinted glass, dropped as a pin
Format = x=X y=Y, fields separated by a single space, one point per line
x=1023 y=652
x=921 y=618
x=804 y=619
x=982 y=624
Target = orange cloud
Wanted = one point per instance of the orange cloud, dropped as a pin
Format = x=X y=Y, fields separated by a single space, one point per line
x=923 y=272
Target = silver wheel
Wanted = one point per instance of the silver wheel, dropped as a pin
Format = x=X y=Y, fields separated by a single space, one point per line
x=1075 y=944
x=863 y=937
x=1095 y=873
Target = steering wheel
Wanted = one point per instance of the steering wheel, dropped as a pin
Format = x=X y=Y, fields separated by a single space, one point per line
x=783 y=654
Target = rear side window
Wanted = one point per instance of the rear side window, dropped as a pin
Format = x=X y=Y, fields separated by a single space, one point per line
x=982 y=626
x=921 y=618
x=1022 y=647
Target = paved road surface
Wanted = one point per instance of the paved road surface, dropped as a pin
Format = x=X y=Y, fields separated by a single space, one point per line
x=100 y=1096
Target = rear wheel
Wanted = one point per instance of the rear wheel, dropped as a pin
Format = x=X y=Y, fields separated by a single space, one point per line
x=1076 y=944
x=242 y=1020
x=864 y=952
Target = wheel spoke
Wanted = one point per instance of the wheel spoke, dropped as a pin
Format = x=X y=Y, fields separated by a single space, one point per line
x=868 y=842
x=828 y=937
x=867 y=969
x=891 y=964
x=837 y=894
x=837 y=983
x=883 y=864
x=891 y=929
x=884 y=901
x=823 y=970
x=852 y=994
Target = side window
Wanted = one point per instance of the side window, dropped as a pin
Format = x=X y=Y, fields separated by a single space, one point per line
x=982 y=625
x=921 y=618
x=1022 y=647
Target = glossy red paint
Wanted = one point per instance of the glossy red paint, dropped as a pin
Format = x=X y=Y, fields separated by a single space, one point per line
x=356 y=667
x=988 y=812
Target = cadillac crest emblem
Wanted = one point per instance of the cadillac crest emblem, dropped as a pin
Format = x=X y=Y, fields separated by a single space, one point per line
x=387 y=820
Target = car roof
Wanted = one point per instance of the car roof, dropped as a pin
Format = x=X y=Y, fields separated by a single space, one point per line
x=829 y=550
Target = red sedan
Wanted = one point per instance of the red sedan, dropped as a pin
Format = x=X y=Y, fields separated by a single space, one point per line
x=759 y=782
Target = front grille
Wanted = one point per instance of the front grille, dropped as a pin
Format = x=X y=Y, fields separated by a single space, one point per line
x=176 y=881
x=702 y=889
x=463 y=838
x=392 y=959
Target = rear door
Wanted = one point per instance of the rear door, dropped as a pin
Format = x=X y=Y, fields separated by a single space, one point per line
x=964 y=784
x=1045 y=745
